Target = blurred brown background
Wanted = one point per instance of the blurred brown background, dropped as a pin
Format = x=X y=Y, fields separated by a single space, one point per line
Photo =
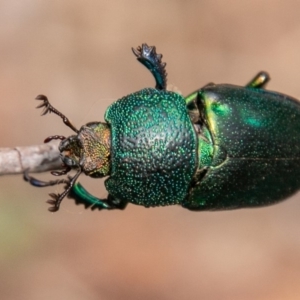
x=78 y=54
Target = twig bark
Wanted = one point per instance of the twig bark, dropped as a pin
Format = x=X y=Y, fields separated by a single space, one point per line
x=38 y=158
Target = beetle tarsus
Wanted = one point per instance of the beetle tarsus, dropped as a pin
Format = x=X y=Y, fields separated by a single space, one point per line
x=152 y=61
x=57 y=198
x=48 y=108
x=54 y=202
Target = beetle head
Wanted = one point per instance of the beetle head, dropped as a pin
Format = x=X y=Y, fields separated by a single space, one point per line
x=89 y=150
x=70 y=151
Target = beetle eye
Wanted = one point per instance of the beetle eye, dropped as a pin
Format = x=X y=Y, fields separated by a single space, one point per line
x=68 y=161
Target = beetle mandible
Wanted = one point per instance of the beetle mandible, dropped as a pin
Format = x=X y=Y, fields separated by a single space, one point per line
x=221 y=147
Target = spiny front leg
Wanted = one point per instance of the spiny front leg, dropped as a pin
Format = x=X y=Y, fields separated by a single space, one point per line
x=152 y=61
x=48 y=108
x=82 y=196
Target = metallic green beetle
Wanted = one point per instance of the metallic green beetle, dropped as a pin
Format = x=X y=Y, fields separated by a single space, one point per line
x=221 y=147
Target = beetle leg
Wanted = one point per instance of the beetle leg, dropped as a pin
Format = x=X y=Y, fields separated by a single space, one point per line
x=66 y=169
x=49 y=108
x=39 y=183
x=260 y=80
x=82 y=196
x=78 y=193
x=55 y=198
x=152 y=61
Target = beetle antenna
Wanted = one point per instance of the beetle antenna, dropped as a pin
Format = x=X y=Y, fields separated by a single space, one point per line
x=57 y=198
x=48 y=108
x=54 y=137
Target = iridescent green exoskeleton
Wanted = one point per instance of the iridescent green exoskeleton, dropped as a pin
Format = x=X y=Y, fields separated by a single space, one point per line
x=221 y=147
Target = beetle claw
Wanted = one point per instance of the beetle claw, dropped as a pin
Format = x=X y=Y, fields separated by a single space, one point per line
x=53 y=209
x=56 y=199
x=41 y=105
x=55 y=202
x=48 y=108
x=45 y=104
x=137 y=51
x=41 y=97
x=52 y=202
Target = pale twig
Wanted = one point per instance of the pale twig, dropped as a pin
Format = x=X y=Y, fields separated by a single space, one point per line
x=38 y=158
